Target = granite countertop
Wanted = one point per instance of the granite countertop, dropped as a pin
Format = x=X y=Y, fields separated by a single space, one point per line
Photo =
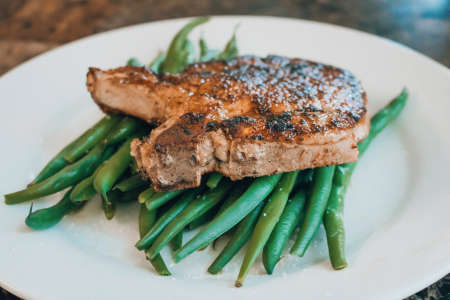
x=30 y=27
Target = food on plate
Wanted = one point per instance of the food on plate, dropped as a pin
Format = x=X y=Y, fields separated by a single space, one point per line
x=277 y=137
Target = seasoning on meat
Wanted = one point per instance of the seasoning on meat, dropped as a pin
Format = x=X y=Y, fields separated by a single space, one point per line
x=247 y=116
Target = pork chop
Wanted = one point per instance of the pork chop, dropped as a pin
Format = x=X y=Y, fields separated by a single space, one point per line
x=248 y=116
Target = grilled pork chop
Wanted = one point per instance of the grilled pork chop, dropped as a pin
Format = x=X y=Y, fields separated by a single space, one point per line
x=248 y=116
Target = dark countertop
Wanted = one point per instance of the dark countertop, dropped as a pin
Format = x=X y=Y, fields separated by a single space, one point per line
x=30 y=27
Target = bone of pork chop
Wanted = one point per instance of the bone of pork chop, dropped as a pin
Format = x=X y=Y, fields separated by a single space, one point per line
x=248 y=116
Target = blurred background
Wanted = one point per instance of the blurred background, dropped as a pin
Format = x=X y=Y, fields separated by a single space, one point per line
x=31 y=27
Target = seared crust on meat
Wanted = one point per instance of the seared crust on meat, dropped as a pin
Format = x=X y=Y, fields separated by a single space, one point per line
x=248 y=116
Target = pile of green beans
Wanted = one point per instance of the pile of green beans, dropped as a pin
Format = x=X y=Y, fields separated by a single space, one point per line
x=267 y=221
x=263 y=212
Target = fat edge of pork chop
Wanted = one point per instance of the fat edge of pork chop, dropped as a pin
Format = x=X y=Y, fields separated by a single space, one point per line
x=244 y=117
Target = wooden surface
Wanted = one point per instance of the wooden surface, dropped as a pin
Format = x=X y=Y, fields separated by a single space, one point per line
x=30 y=27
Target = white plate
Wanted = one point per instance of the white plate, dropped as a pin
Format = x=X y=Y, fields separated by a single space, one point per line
x=397 y=209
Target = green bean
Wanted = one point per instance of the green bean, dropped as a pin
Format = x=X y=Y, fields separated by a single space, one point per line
x=131 y=183
x=207 y=54
x=182 y=202
x=109 y=173
x=198 y=207
x=68 y=176
x=159 y=265
x=84 y=190
x=112 y=169
x=317 y=203
x=177 y=242
x=126 y=127
x=203 y=48
x=203 y=219
x=157 y=199
x=306 y=177
x=334 y=214
x=213 y=180
x=50 y=216
x=155 y=65
x=266 y=222
x=190 y=53
x=283 y=230
x=130 y=196
x=109 y=208
x=114 y=196
x=146 y=194
x=146 y=221
x=134 y=62
x=179 y=52
x=333 y=221
x=240 y=236
x=237 y=191
x=257 y=192
x=124 y=197
x=91 y=137
x=230 y=49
